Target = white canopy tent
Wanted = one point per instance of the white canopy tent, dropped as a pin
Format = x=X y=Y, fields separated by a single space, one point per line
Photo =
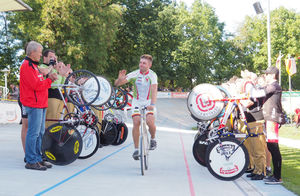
x=13 y=5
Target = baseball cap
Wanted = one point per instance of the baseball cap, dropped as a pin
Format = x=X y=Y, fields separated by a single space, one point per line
x=271 y=70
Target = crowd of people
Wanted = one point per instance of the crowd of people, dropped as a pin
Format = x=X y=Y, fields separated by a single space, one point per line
x=264 y=115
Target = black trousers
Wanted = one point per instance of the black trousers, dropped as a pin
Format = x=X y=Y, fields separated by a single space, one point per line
x=276 y=159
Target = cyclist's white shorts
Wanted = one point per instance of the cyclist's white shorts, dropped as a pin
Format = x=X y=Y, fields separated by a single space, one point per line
x=137 y=105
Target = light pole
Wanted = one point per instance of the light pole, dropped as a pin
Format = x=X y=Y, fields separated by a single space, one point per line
x=259 y=10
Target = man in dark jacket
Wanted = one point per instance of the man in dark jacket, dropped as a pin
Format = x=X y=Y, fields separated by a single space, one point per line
x=34 y=96
x=273 y=115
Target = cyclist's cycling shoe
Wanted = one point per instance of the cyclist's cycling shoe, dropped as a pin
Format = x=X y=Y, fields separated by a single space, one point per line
x=153 y=144
x=136 y=155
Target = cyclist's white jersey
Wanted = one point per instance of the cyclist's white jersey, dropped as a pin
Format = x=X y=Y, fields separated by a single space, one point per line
x=142 y=84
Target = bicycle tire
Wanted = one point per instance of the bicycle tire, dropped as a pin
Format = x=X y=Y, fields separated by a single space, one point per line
x=142 y=157
x=199 y=149
x=121 y=98
x=105 y=93
x=107 y=105
x=108 y=133
x=223 y=169
x=122 y=134
x=90 y=139
x=61 y=144
x=198 y=134
x=147 y=147
x=87 y=85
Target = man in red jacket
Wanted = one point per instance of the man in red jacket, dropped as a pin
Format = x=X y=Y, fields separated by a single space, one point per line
x=34 y=96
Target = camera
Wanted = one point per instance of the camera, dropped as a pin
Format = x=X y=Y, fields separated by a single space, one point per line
x=52 y=62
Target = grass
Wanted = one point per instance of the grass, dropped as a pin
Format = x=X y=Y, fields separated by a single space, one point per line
x=289 y=131
x=291 y=168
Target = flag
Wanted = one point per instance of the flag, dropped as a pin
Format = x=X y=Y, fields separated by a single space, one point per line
x=291 y=66
x=278 y=61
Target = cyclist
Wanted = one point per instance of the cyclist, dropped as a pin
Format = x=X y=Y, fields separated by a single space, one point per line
x=144 y=95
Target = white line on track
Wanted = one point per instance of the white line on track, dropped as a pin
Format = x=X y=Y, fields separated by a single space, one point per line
x=169 y=129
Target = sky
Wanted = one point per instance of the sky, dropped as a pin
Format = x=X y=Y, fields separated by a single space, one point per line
x=233 y=12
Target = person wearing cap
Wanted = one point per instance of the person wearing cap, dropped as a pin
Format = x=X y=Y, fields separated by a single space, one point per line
x=273 y=115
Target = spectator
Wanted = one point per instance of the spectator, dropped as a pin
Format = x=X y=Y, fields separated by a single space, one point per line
x=14 y=92
x=55 y=102
x=34 y=97
x=273 y=115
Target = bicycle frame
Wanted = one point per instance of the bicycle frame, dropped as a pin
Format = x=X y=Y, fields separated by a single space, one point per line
x=231 y=105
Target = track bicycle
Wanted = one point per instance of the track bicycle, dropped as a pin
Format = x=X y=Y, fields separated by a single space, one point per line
x=206 y=129
x=226 y=156
x=80 y=88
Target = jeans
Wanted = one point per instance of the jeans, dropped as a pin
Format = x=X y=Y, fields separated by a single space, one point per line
x=36 y=130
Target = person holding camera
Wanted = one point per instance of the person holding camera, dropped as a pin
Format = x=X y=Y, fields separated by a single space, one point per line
x=50 y=65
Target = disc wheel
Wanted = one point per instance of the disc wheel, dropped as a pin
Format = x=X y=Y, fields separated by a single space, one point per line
x=90 y=140
x=82 y=87
x=105 y=93
x=61 y=144
x=229 y=168
x=122 y=134
x=108 y=133
x=199 y=149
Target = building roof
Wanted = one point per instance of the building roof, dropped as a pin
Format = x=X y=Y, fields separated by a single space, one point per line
x=13 y=5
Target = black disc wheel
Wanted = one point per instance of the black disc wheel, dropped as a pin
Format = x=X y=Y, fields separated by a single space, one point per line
x=122 y=134
x=61 y=144
x=199 y=149
x=108 y=133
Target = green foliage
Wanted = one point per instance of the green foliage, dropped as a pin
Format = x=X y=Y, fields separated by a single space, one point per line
x=202 y=55
x=188 y=45
x=285 y=34
x=8 y=52
x=81 y=32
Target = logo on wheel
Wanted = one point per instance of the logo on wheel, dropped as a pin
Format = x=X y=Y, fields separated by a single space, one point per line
x=204 y=103
x=76 y=147
x=50 y=155
x=229 y=171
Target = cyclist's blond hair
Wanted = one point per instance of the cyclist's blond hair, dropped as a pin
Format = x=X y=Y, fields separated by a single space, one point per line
x=147 y=56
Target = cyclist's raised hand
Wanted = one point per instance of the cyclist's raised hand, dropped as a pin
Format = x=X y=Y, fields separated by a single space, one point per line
x=122 y=74
x=121 y=78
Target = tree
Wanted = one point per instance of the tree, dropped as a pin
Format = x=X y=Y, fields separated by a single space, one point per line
x=202 y=55
x=7 y=51
x=285 y=34
x=137 y=34
x=81 y=32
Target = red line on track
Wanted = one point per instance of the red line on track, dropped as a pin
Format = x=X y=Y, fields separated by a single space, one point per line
x=187 y=169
